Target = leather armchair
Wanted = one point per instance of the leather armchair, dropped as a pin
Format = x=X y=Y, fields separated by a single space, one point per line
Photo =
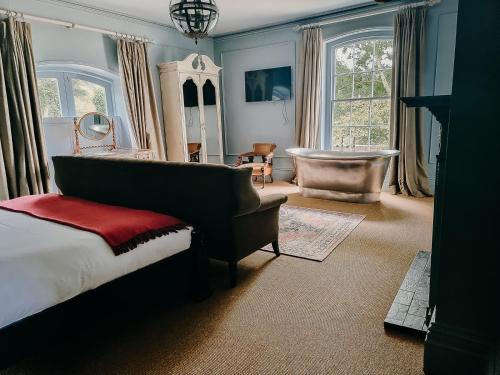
x=259 y=169
x=194 y=152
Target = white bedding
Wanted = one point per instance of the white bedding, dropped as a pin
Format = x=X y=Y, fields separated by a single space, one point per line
x=43 y=264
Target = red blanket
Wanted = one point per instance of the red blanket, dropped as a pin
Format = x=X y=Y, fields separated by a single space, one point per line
x=122 y=228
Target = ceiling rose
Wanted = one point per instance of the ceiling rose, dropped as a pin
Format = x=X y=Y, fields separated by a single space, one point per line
x=194 y=18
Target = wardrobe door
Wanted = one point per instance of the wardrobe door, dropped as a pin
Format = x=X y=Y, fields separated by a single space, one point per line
x=192 y=123
x=211 y=109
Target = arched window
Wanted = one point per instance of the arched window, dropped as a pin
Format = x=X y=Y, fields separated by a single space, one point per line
x=361 y=78
x=72 y=94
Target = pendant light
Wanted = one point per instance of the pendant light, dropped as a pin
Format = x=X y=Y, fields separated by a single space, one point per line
x=194 y=18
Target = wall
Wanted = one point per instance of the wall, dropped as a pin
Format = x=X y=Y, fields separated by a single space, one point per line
x=56 y=44
x=245 y=123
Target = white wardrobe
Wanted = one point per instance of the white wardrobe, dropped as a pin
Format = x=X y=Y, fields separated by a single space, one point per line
x=191 y=108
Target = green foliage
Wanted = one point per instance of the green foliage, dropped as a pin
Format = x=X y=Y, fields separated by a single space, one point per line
x=360 y=112
x=361 y=134
x=48 y=92
x=362 y=85
x=89 y=97
x=363 y=71
x=340 y=133
x=99 y=100
x=381 y=111
x=343 y=87
x=342 y=113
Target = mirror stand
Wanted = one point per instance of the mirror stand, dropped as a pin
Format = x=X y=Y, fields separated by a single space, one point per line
x=78 y=131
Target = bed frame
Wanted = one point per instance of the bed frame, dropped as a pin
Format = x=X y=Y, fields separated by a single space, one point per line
x=51 y=325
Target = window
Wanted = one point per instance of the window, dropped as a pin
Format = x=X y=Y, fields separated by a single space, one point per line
x=50 y=102
x=360 y=99
x=67 y=94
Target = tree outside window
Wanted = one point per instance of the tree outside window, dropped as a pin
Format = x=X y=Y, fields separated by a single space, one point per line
x=361 y=94
x=65 y=94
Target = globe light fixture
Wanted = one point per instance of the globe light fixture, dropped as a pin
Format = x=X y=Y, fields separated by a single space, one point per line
x=194 y=18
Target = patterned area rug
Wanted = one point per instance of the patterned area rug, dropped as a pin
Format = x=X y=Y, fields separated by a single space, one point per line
x=313 y=234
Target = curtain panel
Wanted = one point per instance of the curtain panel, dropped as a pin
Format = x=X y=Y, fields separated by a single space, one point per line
x=23 y=160
x=308 y=99
x=139 y=95
x=408 y=171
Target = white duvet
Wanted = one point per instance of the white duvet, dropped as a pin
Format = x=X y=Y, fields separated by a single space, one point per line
x=44 y=263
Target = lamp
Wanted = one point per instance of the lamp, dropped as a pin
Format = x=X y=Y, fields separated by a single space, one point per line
x=194 y=18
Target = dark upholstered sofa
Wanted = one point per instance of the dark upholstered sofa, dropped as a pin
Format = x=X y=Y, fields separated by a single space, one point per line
x=218 y=200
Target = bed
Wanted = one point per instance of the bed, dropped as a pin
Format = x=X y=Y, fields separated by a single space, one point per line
x=49 y=271
x=43 y=263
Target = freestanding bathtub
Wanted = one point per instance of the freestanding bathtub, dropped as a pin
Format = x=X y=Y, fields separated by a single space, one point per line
x=350 y=176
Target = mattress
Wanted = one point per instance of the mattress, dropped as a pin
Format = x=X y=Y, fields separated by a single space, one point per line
x=43 y=263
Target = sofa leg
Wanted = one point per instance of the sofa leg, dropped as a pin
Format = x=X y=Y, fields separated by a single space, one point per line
x=276 y=248
x=233 y=274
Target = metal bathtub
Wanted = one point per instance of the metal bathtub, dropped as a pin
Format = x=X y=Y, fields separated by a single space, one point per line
x=349 y=176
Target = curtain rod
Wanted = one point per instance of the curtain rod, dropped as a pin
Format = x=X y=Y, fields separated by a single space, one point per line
x=374 y=12
x=72 y=25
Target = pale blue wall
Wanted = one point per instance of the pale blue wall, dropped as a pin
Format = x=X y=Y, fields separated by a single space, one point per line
x=245 y=123
x=56 y=44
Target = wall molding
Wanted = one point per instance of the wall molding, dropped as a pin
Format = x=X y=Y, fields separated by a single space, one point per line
x=108 y=13
x=453 y=350
x=224 y=112
x=355 y=9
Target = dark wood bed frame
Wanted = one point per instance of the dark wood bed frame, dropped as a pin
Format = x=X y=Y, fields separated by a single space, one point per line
x=34 y=332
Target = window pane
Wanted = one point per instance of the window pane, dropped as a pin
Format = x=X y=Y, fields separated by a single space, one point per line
x=382 y=83
x=50 y=103
x=361 y=135
x=363 y=81
x=380 y=136
x=363 y=56
x=360 y=112
x=89 y=97
x=343 y=87
x=381 y=112
x=341 y=113
x=362 y=85
x=383 y=54
x=343 y=60
x=338 y=134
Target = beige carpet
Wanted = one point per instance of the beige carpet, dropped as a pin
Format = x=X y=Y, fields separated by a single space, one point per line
x=287 y=316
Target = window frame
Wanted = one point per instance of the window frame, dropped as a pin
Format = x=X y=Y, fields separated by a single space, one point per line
x=330 y=66
x=65 y=83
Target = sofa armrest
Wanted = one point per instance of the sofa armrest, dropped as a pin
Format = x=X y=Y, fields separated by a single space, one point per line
x=270 y=201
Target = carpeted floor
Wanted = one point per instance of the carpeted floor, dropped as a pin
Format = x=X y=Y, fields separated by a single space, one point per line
x=286 y=316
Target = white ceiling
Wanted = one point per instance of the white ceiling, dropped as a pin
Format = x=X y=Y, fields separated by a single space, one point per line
x=235 y=15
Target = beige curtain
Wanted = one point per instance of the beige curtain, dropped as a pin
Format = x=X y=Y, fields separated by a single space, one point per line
x=23 y=160
x=308 y=100
x=409 y=170
x=139 y=95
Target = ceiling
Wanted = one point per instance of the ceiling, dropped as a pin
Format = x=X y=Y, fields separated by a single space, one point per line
x=235 y=15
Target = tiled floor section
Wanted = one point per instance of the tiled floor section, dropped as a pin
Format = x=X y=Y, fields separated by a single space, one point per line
x=410 y=305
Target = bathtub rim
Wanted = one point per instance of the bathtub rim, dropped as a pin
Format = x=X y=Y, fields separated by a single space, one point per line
x=309 y=153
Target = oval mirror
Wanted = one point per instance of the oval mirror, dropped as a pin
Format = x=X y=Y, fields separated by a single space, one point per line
x=94 y=126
